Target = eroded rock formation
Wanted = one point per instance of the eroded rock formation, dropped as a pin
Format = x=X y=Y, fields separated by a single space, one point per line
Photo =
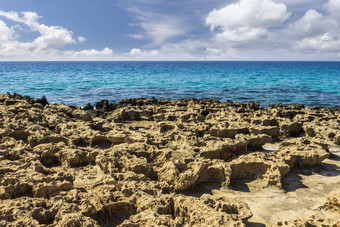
x=140 y=162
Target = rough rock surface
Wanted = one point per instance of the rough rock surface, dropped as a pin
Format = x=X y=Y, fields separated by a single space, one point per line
x=332 y=205
x=142 y=162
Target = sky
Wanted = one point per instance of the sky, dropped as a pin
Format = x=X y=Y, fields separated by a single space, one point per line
x=174 y=30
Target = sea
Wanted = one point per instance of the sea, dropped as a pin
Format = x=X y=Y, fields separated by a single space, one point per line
x=79 y=83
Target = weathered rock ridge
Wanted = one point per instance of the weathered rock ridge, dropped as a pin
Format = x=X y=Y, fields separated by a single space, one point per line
x=142 y=162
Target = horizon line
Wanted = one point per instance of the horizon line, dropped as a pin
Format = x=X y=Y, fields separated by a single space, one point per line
x=169 y=61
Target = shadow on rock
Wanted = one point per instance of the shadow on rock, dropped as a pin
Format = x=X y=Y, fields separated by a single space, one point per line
x=253 y=224
x=329 y=170
x=203 y=188
x=240 y=185
x=292 y=181
x=334 y=157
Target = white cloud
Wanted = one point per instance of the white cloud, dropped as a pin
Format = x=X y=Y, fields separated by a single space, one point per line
x=219 y=53
x=81 y=39
x=135 y=52
x=246 y=20
x=14 y=16
x=261 y=28
x=160 y=28
x=242 y=34
x=139 y=54
x=240 y=30
x=311 y=24
x=321 y=43
x=252 y=13
x=154 y=52
x=6 y=33
x=294 y=3
x=92 y=53
x=47 y=46
x=315 y=31
x=333 y=7
x=51 y=37
x=136 y=36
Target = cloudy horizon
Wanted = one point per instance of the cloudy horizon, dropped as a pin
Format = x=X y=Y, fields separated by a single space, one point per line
x=170 y=30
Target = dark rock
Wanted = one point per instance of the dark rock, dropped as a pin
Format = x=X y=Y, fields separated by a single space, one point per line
x=88 y=107
x=253 y=105
x=336 y=109
x=153 y=100
x=42 y=101
x=104 y=105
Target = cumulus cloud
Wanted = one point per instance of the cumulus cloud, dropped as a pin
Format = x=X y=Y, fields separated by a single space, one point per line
x=137 y=53
x=50 y=36
x=93 y=53
x=6 y=33
x=242 y=34
x=333 y=7
x=315 y=31
x=321 y=43
x=246 y=20
x=311 y=24
x=48 y=45
x=266 y=27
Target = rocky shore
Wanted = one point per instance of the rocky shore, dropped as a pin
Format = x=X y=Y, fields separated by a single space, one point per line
x=168 y=163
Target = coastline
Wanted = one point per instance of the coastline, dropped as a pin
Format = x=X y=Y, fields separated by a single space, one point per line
x=148 y=162
x=78 y=83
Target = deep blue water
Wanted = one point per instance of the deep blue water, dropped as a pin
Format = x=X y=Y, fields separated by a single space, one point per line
x=77 y=83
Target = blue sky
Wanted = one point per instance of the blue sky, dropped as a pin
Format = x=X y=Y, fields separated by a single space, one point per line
x=170 y=30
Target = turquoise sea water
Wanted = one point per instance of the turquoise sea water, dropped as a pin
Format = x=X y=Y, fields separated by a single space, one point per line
x=77 y=83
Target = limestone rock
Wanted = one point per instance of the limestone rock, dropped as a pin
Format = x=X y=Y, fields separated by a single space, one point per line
x=210 y=211
x=332 y=202
x=152 y=162
x=47 y=190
